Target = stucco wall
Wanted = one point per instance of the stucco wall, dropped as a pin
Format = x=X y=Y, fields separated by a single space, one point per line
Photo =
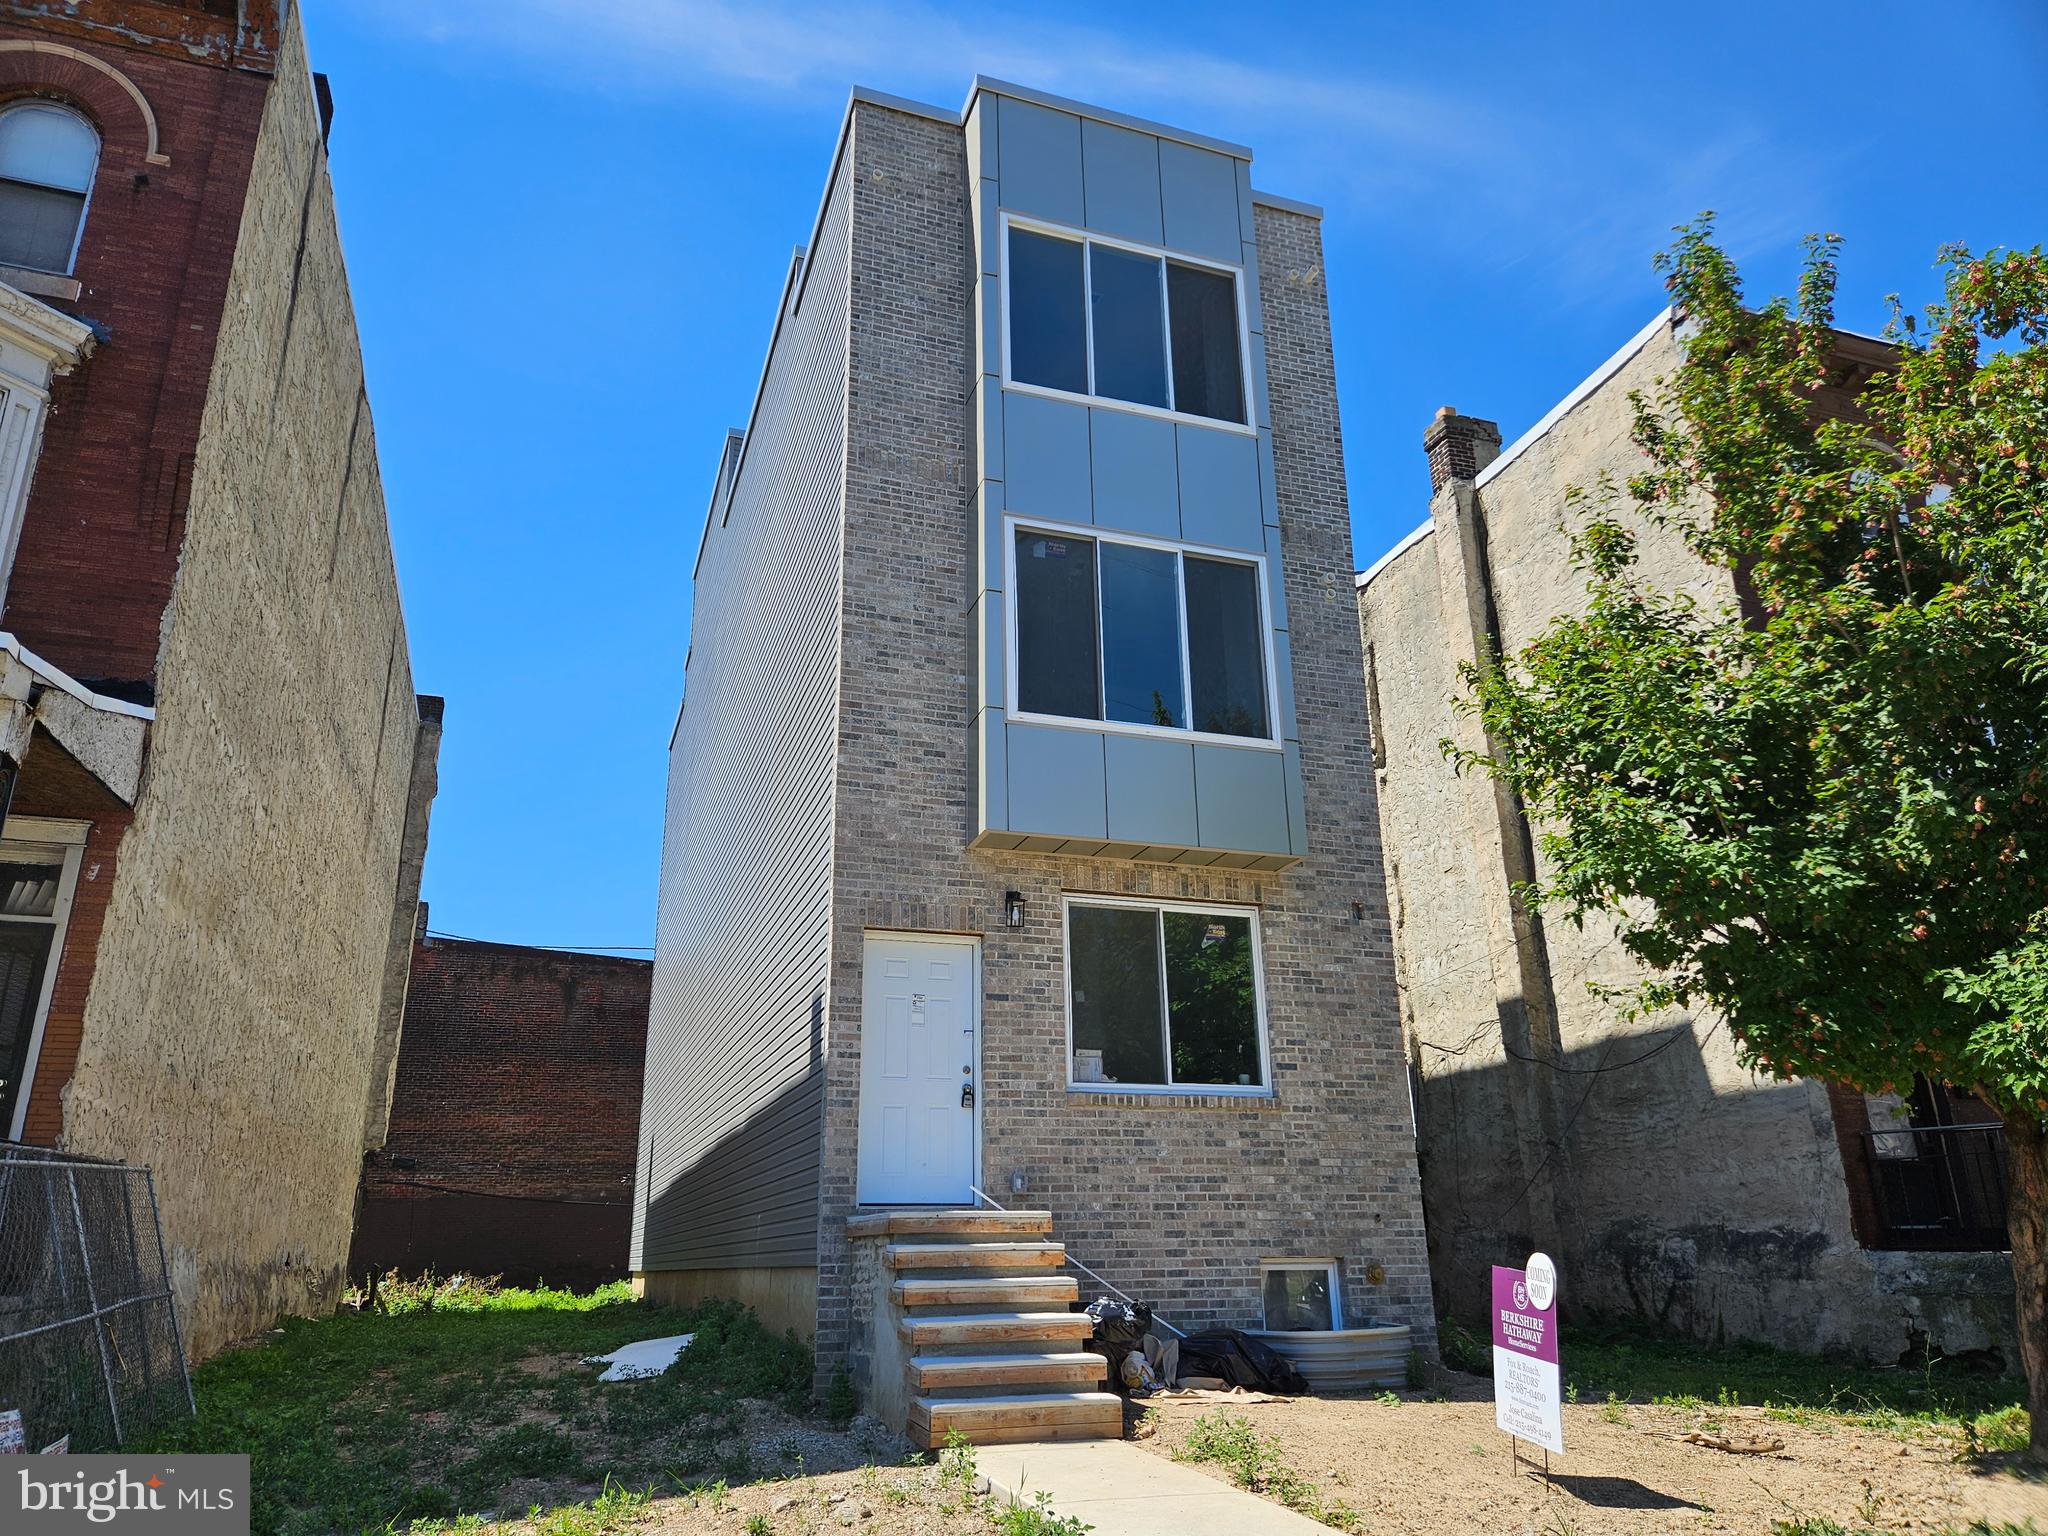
x=1678 y=1188
x=229 y=1031
x=1174 y=1198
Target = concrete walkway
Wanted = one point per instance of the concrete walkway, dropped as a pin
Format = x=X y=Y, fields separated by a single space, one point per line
x=1124 y=1491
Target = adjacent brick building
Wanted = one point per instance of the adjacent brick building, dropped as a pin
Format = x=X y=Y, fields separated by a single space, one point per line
x=1672 y=1185
x=214 y=842
x=513 y=1120
x=1021 y=843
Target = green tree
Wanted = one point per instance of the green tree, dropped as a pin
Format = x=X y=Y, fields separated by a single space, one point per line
x=1819 y=810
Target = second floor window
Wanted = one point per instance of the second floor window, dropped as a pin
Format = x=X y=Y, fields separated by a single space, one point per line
x=48 y=155
x=1124 y=323
x=1144 y=635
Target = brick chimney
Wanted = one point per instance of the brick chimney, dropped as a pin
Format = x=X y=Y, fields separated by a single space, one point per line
x=1458 y=446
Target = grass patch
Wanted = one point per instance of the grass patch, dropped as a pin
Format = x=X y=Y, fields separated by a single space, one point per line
x=1254 y=1462
x=1820 y=1525
x=425 y=1415
x=1619 y=1365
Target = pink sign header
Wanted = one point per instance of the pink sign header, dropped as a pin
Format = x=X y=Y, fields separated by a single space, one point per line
x=1517 y=1325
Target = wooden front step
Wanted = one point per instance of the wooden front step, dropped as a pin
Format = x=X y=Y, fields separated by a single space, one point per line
x=1069 y=1371
x=958 y=1331
x=998 y=1293
x=1028 y=1416
x=974 y=1255
x=1009 y=1224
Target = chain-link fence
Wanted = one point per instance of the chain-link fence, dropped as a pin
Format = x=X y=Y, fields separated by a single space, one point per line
x=89 y=1343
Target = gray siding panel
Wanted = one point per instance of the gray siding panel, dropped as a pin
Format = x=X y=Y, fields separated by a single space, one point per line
x=733 y=1105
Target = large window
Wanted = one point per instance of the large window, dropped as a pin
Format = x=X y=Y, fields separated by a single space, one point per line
x=1124 y=323
x=1143 y=636
x=48 y=155
x=1164 y=997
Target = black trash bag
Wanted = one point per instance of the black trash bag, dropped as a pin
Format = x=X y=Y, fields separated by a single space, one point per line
x=1120 y=1327
x=1241 y=1361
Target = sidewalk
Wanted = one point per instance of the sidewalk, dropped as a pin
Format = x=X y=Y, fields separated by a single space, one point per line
x=1124 y=1491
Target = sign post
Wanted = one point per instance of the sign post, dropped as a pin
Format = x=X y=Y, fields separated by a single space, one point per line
x=1528 y=1394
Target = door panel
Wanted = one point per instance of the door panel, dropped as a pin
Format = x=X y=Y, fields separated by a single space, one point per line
x=918 y=1021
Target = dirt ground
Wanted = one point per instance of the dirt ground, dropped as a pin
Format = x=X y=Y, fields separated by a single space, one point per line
x=1434 y=1468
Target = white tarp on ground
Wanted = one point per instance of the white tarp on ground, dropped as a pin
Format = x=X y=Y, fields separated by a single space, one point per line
x=646 y=1357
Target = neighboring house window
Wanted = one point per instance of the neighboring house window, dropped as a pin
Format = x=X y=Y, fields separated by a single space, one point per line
x=1164 y=996
x=36 y=881
x=1124 y=323
x=47 y=158
x=1301 y=1296
x=1139 y=634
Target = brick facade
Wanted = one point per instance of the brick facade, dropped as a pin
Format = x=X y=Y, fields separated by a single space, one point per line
x=1174 y=1198
x=513 y=1118
x=106 y=515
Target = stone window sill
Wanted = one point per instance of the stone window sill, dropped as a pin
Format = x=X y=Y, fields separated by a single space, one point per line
x=44 y=285
x=1123 y=1099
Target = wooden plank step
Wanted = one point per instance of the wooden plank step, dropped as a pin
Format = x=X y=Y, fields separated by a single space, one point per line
x=1000 y=1292
x=1073 y=1370
x=962 y=1223
x=994 y=1328
x=1028 y=1416
x=974 y=1255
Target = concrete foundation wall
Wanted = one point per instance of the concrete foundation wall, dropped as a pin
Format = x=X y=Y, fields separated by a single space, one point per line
x=1677 y=1188
x=229 y=1032
x=784 y=1297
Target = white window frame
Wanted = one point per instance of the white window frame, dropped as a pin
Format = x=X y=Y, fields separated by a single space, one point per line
x=1270 y=742
x=41 y=840
x=1086 y=237
x=85 y=206
x=1072 y=899
x=1329 y=1267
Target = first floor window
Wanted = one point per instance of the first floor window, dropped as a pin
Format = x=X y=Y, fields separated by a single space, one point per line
x=1139 y=634
x=1302 y=1297
x=1164 y=996
x=35 y=883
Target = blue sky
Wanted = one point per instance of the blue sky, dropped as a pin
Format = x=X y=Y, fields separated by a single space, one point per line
x=567 y=223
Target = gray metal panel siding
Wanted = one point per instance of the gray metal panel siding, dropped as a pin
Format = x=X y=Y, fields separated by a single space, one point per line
x=733 y=1103
x=1122 y=471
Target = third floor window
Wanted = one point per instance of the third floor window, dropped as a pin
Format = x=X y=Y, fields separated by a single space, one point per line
x=47 y=158
x=1124 y=323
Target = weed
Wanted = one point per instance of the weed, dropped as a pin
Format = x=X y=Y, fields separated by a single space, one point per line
x=1614 y=1411
x=1389 y=1399
x=1462 y=1349
x=1037 y=1519
x=1571 y=1392
x=956 y=1461
x=841 y=1401
x=1254 y=1462
x=759 y=1525
x=2005 y=1430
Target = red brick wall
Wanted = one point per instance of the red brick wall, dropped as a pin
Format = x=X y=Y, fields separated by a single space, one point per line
x=106 y=515
x=514 y=1118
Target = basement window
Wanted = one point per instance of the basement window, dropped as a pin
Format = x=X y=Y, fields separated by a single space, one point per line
x=1164 y=997
x=1301 y=1295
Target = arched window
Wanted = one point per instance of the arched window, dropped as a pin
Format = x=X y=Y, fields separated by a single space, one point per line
x=47 y=158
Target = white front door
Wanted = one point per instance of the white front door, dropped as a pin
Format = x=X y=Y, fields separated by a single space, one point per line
x=920 y=1007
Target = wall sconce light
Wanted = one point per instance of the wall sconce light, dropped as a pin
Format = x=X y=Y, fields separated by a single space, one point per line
x=1013 y=908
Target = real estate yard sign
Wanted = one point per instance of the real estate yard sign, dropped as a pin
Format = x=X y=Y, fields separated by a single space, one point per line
x=1528 y=1397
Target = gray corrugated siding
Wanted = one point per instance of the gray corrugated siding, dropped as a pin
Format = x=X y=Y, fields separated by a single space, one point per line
x=732 y=1108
